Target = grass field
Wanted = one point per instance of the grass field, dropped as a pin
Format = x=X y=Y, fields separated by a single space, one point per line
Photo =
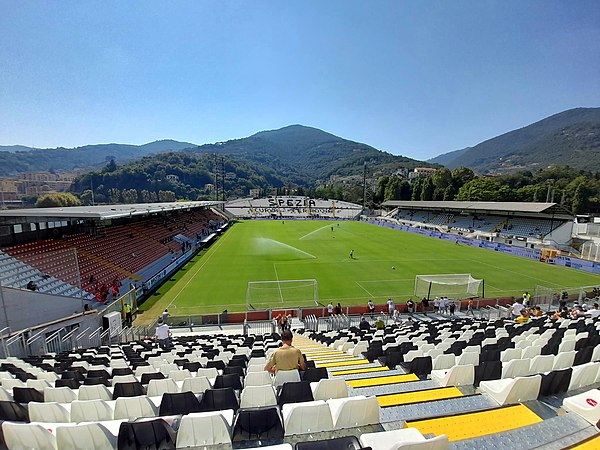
x=217 y=279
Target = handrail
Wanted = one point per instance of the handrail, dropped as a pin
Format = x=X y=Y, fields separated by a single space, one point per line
x=35 y=336
x=53 y=335
x=97 y=331
x=68 y=335
x=15 y=337
x=4 y=329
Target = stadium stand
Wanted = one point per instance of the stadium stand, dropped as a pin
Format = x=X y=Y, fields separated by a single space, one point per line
x=292 y=207
x=350 y=398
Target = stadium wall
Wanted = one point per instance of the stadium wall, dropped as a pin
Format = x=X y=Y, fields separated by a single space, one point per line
x=529 y=253
x=26 y=309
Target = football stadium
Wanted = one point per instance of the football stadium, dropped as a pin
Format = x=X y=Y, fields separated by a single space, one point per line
x=427 y=325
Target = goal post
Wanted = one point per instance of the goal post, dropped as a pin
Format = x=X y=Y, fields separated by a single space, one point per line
x=267 y=294
x=454 y=285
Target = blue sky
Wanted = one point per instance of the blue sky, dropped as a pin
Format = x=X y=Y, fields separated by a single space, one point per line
x=416 y=78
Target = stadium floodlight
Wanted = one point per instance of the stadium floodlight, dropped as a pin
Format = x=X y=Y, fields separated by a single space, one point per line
x=454 y=285
x=291 y=293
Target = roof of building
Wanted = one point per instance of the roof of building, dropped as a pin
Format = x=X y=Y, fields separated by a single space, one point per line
x=104 y=211
x=516 y=207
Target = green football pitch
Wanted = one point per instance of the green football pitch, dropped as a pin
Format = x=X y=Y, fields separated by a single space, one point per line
x=262 y=250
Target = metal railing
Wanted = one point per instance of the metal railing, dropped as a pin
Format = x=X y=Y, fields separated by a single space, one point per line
x=94 y=338
x=16 y=345
x=260 y=327
x=53 y=343
x=82 y=340
x=29 y=342
x=4 y=334
x=105 y=337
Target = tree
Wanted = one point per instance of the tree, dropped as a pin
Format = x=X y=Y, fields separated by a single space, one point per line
x=461 y=176
x=392 y=190
x=114 y=195
x=405 y=190
x=449 y=193
x=579 y=204
x=57 y=200
x=442 y=178
x=166 y=196
x=379 y=195
x=417 y=186
x=480 y=190
x=111 y=166
x=428 y=189
x=130 y=196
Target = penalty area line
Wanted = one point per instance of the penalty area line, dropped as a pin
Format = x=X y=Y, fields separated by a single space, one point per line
x=364 y=289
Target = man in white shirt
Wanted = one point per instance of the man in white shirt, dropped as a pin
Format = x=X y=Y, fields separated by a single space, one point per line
x=163 y=334
x=516 y=309
x=594 y=312
x=330 y=309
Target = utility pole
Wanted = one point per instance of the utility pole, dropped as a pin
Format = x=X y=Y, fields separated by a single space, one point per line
x=364 y=185
x=92 y=186
x=223 y=178
x=216 y=178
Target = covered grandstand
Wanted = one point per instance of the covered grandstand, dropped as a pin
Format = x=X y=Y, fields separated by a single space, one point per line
x=281 y=207
x=93 y=254
x=517 y=223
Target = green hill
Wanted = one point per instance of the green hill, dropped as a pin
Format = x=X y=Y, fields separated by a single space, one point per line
x=571 y=138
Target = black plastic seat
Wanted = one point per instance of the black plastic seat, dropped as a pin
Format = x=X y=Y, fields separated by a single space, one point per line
x=583 y=356
x=179 y=403
x=490 y=354
x=146 y=377
x=489 y=370
x=238 y=361
x=132 y=389
x=421 y=366
x=69 y=382
x=119 y=371
x=24 y=376
x=13 y=411
x=313 y=375
x=217 y=399
x=295 y=392
x=72 y=375
x=151 y=435
x=26 y=395
x=98 y=373
x=235 y=370
x=97 y=380
x=192 y=366
x=263 y=423
x=341 y=443
x=218 y=364
x=555 y=382
x=228 y=381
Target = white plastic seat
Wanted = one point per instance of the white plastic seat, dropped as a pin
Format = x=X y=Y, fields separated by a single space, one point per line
x=455 y=376
x=5 y=394
x=59 y=394
x=258 y=378
x=433 y=353
x=306 y=417
x=123 y=379
x=160 y=387
x=211 y=373
x=329 y=388
x=255 y=368
x=584 y=375
x=467 y=358
x=541 y=364
x=91 y=411
x=354 y=411
x=48 y=376
x=444 y=362
x=510 y=353
x=48 y=412
x=257 y=360
x=141 y=370
x=88 y=435
x=586 y=405
x=405 y=438
x=564 y=360
x=203 y=429
x=567 y=346
x=9 y=383
x=512 y=390
x=257 y=396
x=412 y=354
x=94 y=392
x=284 y=376
x=179 y=375
x=165 y=369
x=19 y=435
x=197 y=385
x=596 y=353
x=135 y=407
x=515 y=368
x=531 y=351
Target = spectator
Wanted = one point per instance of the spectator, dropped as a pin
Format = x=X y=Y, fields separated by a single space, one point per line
x=31 y=286
x=286 y=357
x=379 y=324
x=163 y=334
x=516 y=309
x=410 y=305
x=425 y=303
x=128 y=318
x=391 y=307
x=338 y=309
x=594 y=312
x=523 y=317
x=330 y=309
x=371 y=307
x=452 y=308
x=364 y=325
x=165 y=315
x=470 y=308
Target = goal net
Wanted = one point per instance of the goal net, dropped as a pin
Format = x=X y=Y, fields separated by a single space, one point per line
x=267 y=294
x=452 y=285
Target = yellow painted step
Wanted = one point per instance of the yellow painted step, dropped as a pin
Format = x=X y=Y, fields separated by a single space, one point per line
x=591 y=443
x=380 y=381
x=418 y=396
x=475 y=424
x=315 y=354
x=343 y=363
x=320 y=358
x=357 y=371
